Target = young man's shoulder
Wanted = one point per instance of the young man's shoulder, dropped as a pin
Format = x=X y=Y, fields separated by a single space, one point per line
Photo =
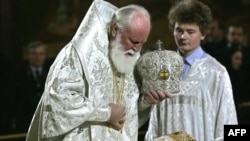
x=212 y=64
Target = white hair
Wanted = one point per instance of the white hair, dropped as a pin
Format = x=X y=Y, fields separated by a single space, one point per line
x=123 y=17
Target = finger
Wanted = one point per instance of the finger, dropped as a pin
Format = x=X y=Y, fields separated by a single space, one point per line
x=123 y=111
x=122 y=120
x=161 y=94
x=150 y=99
x=153 y=94
x=168 y=94
x=123 y=114
x=118 y=126
x=121 y=108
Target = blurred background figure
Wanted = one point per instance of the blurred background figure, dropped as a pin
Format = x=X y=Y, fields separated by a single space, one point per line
x=240 y=83
x=216 y=38
x=235 y=37
x=29 y=84
x=235 y=34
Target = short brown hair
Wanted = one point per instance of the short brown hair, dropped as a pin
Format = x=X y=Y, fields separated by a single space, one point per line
x=191 y=11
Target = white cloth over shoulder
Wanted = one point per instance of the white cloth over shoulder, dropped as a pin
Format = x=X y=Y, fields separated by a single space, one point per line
x=202 y=107
x=79 y=87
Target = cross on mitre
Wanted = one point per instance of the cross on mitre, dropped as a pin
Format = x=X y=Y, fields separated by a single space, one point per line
x=159 y=44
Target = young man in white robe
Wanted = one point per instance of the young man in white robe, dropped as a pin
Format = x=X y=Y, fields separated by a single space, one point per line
x=205 y=101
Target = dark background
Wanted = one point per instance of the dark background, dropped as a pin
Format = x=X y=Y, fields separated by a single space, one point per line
x=55 y=21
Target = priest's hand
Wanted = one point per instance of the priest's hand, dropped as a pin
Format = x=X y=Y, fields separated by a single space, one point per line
x=117 y=117
x=156 y=96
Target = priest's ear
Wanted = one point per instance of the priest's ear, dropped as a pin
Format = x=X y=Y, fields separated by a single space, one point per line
x=114 y=30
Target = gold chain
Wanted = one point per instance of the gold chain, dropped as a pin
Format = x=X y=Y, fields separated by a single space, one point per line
x=119 y=90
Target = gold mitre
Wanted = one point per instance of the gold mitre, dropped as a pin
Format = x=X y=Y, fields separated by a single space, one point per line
x=160 y=70
x=177 y=136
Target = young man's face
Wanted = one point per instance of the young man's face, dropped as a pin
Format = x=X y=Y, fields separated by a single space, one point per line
x=187 y=37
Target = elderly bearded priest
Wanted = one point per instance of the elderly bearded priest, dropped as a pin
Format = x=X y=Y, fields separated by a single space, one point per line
x=90 y=92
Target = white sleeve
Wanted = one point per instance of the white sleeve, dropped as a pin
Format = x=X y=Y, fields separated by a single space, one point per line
x=226 y=112
x=152 y=131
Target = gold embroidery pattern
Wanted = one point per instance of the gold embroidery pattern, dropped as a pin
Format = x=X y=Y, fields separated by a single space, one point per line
x=118 y=88
x=182 y=136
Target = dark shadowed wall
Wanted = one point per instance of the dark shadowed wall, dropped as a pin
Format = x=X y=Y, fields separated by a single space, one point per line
x=55 y=22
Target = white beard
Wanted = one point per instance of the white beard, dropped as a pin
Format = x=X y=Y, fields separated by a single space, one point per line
x=124 y=61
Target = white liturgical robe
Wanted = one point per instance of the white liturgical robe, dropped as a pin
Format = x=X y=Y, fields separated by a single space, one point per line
x=79 y=87
x=201 y=108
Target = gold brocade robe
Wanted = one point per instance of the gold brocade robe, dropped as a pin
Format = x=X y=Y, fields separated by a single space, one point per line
x=79 y=87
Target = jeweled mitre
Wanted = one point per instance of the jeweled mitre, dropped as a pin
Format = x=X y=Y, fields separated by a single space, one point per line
x=160 y=70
